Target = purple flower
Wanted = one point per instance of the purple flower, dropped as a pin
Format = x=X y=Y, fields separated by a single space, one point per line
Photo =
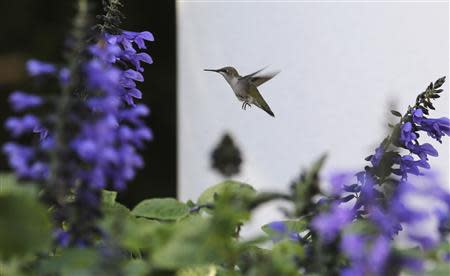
x=42 y=131
x=417 y=115
x=121 y=47
x=329 y=224
x=105 y=129
x=86 y=149
x=137 y=37
x=107 y=52
x=424 y=150
x=368 y=255
x=19 y=157
x=413 y=264
x=133 y=75
x=21 y=101
x=425 y=241
x=339 y=182
x=137 y=58
x=278 y=226
x=36 y=68
x=407 y=134
x=446 y=257
x=353 y=271
x=102 y=76
x=353 y=245
x=19 y=126
x=376 y=158
x=368 y=193
x=62 y=237
x=23 y=160
x=436 y=128
x=388 y=224
x=379 y=253
x=64 y=76
x=408 y=165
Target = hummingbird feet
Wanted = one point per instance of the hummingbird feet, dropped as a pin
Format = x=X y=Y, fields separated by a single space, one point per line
x=245 y=104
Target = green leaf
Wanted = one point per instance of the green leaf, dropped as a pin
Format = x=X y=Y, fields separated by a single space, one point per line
x=76 y=261
x=161 y=209
x=439 y=82
x=384 y=169
x=317 y=166
x=136 y=267
x=24 y=225
x=141 y=233
x=232 y=187
x=109 y=196
x=396 y=113
x=284 y=255
x=439 y=269
x=210 y=270
x=12 y=267
x=114 y=211
x=193 y=241
x=9 y=183
x=287 y=248
x=115 y=216
x=306 y=187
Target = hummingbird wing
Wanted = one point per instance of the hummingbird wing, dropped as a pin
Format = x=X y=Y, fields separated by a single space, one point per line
x=259 y=101
x=256 y=79
x=260 y=79
x=252 y=74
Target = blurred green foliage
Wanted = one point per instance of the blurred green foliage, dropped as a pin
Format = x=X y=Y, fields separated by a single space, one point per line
x=162 y=236
x=24 y=222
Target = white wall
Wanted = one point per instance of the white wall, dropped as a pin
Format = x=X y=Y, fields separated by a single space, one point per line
x=341 y=65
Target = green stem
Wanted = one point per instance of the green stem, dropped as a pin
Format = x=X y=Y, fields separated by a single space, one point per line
x=56 y=187
x=266 y=197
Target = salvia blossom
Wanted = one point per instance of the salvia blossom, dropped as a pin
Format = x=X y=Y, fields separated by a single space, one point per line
x=21 y=101
x=36 y=68
x=358 y=246
x=376 y=158
x=435 y=128
x=391 y=213
x=109 y=142
x=18 y=126
x=386 y=196
x=106 y=125
x=329 y=224
x=408 y=165
x=409 y=134
x=398 y=212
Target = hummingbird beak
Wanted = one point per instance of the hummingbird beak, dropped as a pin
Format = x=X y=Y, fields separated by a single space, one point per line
x=212 y=70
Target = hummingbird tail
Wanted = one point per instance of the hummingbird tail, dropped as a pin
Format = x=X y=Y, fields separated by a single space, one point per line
x=264 y=106
x=269 y=112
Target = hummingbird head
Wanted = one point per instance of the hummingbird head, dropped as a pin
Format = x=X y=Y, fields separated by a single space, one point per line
x=227 y=72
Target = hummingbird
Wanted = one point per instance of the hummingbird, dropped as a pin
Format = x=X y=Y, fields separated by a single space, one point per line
x=246 y=87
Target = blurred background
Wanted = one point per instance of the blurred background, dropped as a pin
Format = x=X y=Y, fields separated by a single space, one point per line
x=343 y=66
